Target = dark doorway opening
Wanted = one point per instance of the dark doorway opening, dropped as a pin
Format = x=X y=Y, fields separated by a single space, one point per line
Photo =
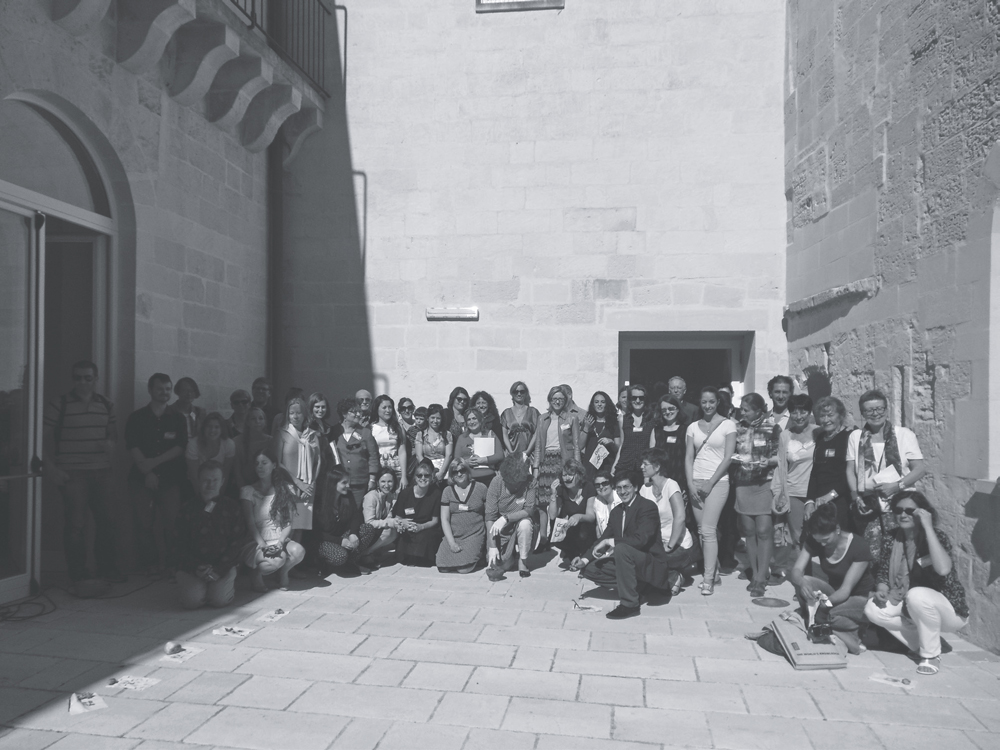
x=698 y=367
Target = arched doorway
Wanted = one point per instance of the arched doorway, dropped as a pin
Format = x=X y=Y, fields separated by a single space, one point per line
x=60 y=234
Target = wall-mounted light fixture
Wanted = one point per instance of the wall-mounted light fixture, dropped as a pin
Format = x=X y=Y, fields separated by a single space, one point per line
x=498 y=6
x=452 y=313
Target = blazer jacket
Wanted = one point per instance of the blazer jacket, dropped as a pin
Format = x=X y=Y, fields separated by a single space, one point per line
x=569 y=438
x=640 y=530
x=359 y=455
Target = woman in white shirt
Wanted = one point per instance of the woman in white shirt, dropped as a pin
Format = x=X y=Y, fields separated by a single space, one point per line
x=882 y=460
x=606 y=499
x=666 y=493
x=390 y=437
x=711 y=442
x=790 y=483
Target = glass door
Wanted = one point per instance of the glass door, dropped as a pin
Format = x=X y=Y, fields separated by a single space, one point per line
x=20 y=368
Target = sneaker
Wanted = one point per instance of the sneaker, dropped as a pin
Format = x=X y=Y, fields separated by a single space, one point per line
x=621 y=612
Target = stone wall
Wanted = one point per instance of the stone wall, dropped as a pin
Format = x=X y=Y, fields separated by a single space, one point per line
x=612 y=167
x=200 y=250
x=890 y=116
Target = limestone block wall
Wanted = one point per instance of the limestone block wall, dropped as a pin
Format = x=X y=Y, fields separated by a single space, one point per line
x=889 y=121
x=199 y=262
x=612 y=167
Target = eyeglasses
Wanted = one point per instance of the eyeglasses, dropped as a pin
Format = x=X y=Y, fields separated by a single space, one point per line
x=601 y=485
x=423 y=476
x=624 y=488
x=908 y=511
x=874 y=411
x=243 y=401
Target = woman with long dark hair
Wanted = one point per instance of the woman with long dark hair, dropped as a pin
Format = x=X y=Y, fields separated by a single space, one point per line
x=917 y=592
x=637 y=424
x=269 y=505
x=248 y=443
x=435 y=443
x=600 y=428
x=390 y=437
x=482 y=466
x=669 y=435
x=485 y=404
x=458 y=404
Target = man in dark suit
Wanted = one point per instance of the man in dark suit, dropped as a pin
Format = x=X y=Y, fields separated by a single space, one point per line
x=629 y=551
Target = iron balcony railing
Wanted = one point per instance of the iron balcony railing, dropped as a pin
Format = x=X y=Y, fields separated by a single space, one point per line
x=295 y=29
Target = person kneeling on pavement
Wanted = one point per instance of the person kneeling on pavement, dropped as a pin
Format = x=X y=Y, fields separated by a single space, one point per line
x=211 y=532
x=630 y=551
x=847 y=563
x=342 y=537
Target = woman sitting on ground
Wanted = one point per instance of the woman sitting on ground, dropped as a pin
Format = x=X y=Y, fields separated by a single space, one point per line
x=342 y=537
x=435 y=443
x=605 y=500
x=847 y=563
x=600 y=428
x=418 y=510
x=269 y=506
x=572 y=508
x=378 y=514
x=463 y=509
x=483 y=467
x=212 y=444
x=917 y=592
x=511 y=517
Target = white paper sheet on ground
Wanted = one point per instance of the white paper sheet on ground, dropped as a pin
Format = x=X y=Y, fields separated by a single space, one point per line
x=600 y=453
x=482 y=447
x=130 y=682
x=577 y=607
x=272 y=616
x=81 y=703
x=183 y=655
x=232 y=632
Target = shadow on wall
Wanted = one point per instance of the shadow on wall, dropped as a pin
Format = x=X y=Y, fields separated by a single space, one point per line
x=320 y=328
x=986 y=533
x=799 y=325
x=817 y=383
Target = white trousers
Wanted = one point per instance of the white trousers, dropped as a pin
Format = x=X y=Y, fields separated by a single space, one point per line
x=930 y=615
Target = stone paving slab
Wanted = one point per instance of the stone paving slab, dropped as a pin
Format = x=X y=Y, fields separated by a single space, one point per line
x=409 y=658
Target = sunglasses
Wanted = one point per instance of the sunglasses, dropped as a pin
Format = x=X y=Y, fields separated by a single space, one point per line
x=638 y=398
x=602 y=485
x=520 y=392
x=240 y=401
x=408 y=407
x=461 y=398
x=423 y=476
x=907 y=511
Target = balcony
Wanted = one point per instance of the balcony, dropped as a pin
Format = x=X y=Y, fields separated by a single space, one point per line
x=253 y=68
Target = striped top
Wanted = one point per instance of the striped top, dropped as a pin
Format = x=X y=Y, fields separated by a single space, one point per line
x=82 y=431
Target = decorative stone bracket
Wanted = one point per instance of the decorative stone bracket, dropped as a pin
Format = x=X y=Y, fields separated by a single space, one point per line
x=209 y=60
x=861 y=289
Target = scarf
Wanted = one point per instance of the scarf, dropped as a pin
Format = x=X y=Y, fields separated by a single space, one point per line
x=308 y=448
x=899 y=570
x=744 y=435
x=890 y=456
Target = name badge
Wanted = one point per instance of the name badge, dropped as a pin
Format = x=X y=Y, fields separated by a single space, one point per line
x=636 y=429
x=672 y=439
x=759 y=441
x=409 y=511
x=830 y=453
x=169 y=435
x=463 y=506
x=564 y=427
x=210 y=506
x=923 y=562
x=520 y=501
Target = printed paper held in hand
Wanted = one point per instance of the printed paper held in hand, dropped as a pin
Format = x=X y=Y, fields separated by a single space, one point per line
x=482 y=447
x=600 y=453
x=559 y=530
x=886 y=476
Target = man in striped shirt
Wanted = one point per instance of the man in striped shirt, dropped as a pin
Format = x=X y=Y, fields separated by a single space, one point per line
x=79 y=436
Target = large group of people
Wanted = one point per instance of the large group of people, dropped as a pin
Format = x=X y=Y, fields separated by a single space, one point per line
x=637 y=495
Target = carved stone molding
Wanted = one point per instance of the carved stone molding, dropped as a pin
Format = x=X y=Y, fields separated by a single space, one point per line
x=198 y=51
x=268 y=112
x=234 y=88
x=145 y=28
x=79 y=16
x=297 y=128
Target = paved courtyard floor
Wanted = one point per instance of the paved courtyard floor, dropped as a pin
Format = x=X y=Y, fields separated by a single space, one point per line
x=409 y=659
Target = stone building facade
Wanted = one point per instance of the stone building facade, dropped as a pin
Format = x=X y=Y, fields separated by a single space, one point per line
x=614 y=167
x=892 y=177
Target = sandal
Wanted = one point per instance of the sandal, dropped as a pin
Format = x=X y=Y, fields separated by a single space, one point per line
x=708 y=589
x=929 y=666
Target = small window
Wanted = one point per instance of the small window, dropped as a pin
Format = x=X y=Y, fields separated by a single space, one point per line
x=496 y=6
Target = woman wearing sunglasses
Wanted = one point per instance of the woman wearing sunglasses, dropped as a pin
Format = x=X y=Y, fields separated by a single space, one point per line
x=917 y=593
x=418 y=509
x=458 y=404
x=463 y=510
x=882 y=459
x=519 y=420
x=637 y=424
